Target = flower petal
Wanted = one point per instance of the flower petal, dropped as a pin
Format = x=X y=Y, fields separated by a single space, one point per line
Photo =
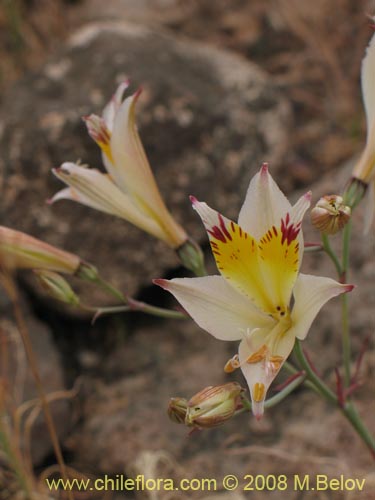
x=96 y=190
x=261 y=355
x=264 y=204
x=365 y=167
x=131 y=171
x=248 y=264
x=109 y=112
x=369 y=207
x=216 y=307
x=367 y=81
x=236 y=254
x=310 y=295
x=280 y=255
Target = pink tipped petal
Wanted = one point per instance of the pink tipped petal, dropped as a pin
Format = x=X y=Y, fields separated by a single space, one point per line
x=97 y=129
x=114 y=104
x=297 y=213
x=310 y=295
x=264 y=205
x=215 y=306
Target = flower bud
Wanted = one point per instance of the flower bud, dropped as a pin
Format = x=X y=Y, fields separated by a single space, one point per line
x=87 y=272
x=22 y=251
x=57 y=287
x=177 y=409
x=330 y=214
x=192 y=257
x=213 y=405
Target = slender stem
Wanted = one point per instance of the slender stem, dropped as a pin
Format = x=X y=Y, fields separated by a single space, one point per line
x=14 y=459
x=354 y=418
x=111 y=289
x=346 y=344
x=328 y=249
x=135 y=305
x=139 y=306
x=348 y=410
x=293 y=370
x=33 y=364
x=323 y=389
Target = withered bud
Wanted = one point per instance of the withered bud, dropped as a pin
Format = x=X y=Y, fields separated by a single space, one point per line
x=57 y=287
x=213 y=405
x=177 y=409
x=330 y=214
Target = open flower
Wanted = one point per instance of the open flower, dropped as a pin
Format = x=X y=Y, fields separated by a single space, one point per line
x=259 y=260
x=129 y=189
x=21 y=251
x=364 y=170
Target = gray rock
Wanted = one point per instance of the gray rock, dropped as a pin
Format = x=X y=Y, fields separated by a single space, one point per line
x=208 y=119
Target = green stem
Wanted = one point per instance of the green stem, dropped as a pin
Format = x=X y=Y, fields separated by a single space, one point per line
x=346 y=344
x=13 y=459
x=328 y=249
x=135 y=305
x=107 y=287
x=323 y=389
x=351 y=414
x=348 y=410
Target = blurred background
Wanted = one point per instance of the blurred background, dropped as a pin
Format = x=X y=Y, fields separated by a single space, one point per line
x=226 y=85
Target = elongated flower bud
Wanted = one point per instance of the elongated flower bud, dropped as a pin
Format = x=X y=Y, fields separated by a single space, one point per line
x=330 y=214
x=57 y=287
x=22 y=251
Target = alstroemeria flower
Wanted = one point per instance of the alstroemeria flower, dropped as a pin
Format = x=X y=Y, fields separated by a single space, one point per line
x=129 y=189
x=259 y=260
x=364 y=170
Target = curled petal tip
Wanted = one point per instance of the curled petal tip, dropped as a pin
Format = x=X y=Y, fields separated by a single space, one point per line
x=137 y=93
x=161 y=282
x=308 y=196
x=49 y=201
x=193 y=200
x=349 y=288
x=264 y=168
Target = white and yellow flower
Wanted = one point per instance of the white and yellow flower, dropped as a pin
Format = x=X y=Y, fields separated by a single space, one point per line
x=364 y=170
x=259 y=260
x=129 y=189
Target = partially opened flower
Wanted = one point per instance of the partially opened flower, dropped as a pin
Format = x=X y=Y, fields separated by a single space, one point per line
x=364 y=170
x=129 y=189
x=259 y=260
x=21 y=251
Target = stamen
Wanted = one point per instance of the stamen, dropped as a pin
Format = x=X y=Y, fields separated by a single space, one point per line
x=232 y=364
x=258 y=392
x=276 y=362
x=258 y=356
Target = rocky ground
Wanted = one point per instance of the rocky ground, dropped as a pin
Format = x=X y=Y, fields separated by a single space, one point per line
x=224 y=89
